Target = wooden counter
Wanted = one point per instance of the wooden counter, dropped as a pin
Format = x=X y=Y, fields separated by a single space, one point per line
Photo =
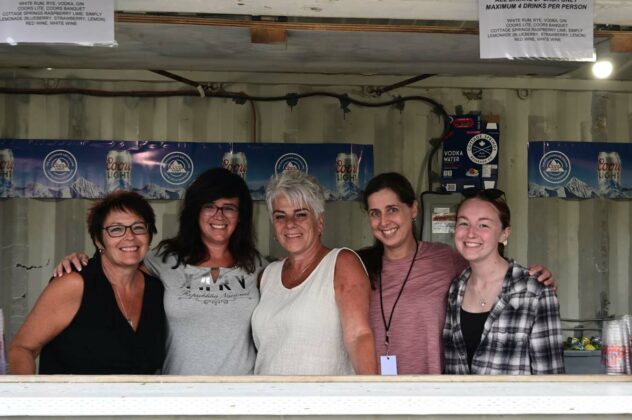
x=445 y=396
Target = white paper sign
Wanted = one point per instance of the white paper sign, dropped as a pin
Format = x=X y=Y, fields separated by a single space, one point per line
x=84 y=22
x=443 y=220
x=553 y=29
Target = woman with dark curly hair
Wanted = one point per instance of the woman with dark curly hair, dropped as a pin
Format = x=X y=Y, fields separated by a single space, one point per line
x=209 y=270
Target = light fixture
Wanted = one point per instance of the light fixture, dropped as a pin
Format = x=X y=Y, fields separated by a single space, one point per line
x=602 y=69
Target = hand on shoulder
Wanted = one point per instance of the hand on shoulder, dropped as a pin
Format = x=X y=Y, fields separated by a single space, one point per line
x=65 y=289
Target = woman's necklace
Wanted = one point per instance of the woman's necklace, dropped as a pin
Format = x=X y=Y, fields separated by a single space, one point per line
x=309 y=264
x=125 y=314
x=482 y=300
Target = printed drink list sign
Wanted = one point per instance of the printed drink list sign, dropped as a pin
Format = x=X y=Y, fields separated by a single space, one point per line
x=163 y=170
x=552 y=29
x=83 y=22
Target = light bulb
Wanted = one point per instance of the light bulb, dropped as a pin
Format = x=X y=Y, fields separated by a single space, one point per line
x=602 y=69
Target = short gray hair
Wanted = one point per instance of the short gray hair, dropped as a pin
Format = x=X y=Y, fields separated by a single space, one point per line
x=298 y=188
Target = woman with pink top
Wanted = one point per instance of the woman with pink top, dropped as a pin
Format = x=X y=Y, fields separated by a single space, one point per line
x=410 y=280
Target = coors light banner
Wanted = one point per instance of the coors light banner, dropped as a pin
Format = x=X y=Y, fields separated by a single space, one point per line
x=580 y=170
x=163 y=170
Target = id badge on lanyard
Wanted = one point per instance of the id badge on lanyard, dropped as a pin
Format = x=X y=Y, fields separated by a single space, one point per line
x=388 y=365
x=388 y=362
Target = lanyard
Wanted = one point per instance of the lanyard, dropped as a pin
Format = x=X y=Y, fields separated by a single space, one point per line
x=387 y=325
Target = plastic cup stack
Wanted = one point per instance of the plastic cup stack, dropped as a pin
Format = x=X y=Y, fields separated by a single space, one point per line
x=615 y=352
x=3 y=360
x=627 y=325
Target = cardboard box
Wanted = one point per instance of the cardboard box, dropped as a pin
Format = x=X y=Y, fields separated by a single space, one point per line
x=470 y=153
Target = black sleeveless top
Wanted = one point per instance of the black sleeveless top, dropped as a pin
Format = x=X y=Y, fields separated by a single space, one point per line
x=472 y=325
x=99 y=341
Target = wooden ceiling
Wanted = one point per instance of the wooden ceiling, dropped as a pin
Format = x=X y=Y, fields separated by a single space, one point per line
x=328 y=38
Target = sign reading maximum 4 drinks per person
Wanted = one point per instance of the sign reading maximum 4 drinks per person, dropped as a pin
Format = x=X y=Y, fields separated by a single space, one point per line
x=580 y=170
x=557 y=29
x=163 y=170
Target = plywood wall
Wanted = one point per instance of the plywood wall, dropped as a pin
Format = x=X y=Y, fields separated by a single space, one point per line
x=585 y=243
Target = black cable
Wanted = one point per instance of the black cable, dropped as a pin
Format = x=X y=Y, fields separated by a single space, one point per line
x=241 y=98
x=436 y=145
x=381 y=91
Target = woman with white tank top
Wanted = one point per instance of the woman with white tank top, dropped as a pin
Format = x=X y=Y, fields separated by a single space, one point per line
x=313 y=316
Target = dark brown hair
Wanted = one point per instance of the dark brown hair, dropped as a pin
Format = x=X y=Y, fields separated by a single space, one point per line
x=126 y=201
x=187 y=245
x=396 y=182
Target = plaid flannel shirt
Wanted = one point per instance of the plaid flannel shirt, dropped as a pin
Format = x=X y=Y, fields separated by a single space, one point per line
x=522 y=334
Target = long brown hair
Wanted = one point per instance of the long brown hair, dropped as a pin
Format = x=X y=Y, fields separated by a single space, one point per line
x=187 y=245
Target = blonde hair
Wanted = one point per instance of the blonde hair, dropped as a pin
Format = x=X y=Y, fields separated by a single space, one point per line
x=298 y=188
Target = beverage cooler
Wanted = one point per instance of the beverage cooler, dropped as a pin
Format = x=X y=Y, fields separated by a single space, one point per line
x=579 y=362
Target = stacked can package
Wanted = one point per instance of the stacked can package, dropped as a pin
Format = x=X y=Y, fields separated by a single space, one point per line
x=616 y=352
x=470 y=153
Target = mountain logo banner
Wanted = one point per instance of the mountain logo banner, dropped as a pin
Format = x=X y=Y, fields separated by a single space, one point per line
x=580 y=170
x=60 y=166
x=163 y=170
x=555 y=167
x=176 y=168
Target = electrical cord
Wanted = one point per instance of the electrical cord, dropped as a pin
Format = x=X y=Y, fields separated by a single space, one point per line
x=242 y=98
x=238 y=97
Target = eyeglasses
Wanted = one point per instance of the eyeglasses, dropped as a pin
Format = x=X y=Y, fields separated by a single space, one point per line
x=489 y=193
x=116 y=231
x=229 y=211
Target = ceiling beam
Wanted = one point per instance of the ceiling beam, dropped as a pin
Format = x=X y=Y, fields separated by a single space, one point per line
x=621 y=42
x=276 y=26
x=268 y=32
x=262 y=35
x=611 y=12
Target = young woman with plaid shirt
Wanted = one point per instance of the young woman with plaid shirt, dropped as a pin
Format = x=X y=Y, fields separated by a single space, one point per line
x=500 y=320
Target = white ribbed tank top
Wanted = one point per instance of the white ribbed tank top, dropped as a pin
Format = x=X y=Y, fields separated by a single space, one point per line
x=297 y=331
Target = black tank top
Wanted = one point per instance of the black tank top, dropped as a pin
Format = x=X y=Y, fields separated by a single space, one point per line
x=99 y=341
x=472 y=325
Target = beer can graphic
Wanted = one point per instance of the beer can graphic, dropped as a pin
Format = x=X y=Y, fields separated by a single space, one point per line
x=236 y=163
x=6 y=169
x=118 y=170
x=609 y=173
x=347 y=171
